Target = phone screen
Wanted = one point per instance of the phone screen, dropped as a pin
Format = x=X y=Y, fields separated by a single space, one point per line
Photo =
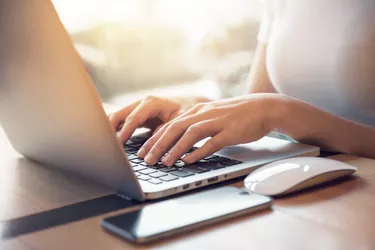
x=167 y=217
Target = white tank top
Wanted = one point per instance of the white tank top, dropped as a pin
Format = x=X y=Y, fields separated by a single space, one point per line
x=323 y=52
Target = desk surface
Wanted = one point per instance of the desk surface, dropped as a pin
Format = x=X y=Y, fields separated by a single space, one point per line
x=339 y=216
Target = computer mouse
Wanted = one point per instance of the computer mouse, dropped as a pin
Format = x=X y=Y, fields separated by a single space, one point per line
x=294 y=174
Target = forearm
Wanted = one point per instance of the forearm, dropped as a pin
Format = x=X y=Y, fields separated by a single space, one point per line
x=311 y=125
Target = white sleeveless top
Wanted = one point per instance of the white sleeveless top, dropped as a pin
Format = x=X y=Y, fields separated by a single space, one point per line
x=323 y=52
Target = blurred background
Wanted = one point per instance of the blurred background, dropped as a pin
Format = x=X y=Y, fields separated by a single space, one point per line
x=134 y=48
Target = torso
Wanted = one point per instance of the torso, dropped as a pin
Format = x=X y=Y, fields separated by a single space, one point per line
x=323 y=52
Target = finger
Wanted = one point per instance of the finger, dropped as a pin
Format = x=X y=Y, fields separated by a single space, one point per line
x=157 y=129
x=147 y=146
x=117 y=118
x=170 y=136
x=185 y=114
x=136 y=119
x=193 y=134
x=213 y=145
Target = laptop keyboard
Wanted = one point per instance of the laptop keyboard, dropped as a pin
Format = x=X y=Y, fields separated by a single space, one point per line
x=159 y=173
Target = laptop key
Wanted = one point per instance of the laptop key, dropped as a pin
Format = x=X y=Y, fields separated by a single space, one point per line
x=181 y=173
x=133 y=164
x=148 y=171
x=137 y=174
x=144 y=177
x=132 y=151
x=155 y=181
x=138 y=168
x=211 y=157
x=196 y=169
x=158 y=174
x=168 y=178
x=210 y=165
x=167 y=169
x=132 y=157
x=136 y=161
x=157 y=166
x=231 y=162
x=203 y=160
x=192 y=149
x=139 y=139
x=134 y=144
x=218 y=159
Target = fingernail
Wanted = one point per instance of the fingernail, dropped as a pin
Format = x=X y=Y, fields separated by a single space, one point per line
x=167 y=161
x=141 y=153
x=149 y=159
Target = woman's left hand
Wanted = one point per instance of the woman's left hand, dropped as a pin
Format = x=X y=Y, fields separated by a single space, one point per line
x=228 y=122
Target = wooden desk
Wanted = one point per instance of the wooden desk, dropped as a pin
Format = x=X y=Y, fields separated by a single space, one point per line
x=340 y=216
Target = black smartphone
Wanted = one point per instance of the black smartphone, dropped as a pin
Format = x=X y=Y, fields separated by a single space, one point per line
x=177 y=215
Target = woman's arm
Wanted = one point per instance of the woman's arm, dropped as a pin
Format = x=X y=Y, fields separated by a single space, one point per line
x=258 y=80
x=248 y=118
x=308 y=124
x=162 y=110
x=314 y=126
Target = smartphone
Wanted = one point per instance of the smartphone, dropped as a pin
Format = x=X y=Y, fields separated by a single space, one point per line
x=177 y=215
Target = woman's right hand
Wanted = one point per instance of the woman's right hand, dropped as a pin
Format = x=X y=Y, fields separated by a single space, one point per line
x=152 y=112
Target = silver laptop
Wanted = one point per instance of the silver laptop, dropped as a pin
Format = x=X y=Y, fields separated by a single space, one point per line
x=52 y=114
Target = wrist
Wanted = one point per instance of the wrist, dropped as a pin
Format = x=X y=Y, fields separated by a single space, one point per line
x=278 y=107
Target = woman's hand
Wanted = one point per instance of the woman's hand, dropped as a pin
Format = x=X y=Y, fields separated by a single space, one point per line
x=228 y=122
x=152 y=112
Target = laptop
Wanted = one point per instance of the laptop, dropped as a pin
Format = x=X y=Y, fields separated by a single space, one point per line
x=52 y=114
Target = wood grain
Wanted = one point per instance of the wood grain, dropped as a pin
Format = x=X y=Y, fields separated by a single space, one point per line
x=335 y=216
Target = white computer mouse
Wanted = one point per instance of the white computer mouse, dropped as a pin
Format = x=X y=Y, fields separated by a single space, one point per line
x=294 y=174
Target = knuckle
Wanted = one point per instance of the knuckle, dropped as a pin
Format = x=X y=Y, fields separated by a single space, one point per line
x=213 y=110
x=195 y=130
x=175 y=126
x=150 y=98
x=198 y=106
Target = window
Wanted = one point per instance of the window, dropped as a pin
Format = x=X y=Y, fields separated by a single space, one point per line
x=138 y=45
